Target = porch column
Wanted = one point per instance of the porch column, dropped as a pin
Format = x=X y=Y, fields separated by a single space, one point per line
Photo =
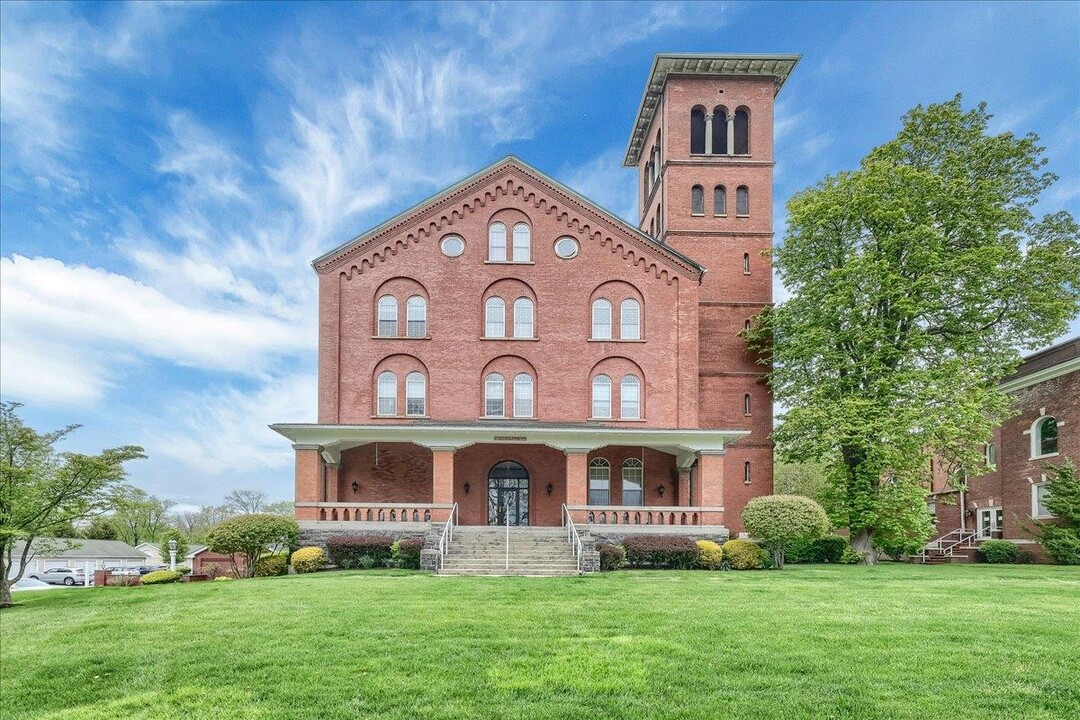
x=684 y=487
x=332 y=462
x=442 y=475
x=308 y=479
x=577 y=477
x=711 y=478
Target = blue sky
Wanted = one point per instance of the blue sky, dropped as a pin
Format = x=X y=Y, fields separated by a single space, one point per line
x=167 y=171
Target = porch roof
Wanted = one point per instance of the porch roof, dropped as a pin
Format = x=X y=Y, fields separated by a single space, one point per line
x=568 y=437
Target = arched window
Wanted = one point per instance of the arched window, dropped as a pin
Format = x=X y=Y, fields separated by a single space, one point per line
x=522 y=243
x=719 y=200
x=387 y=393
x=719 y=131
x=633 y=481
x=1044 y=440
x=697 y=131
x=746 y=472
x=648 y=180
x=387 y=316
x=697 y=200
x=601 y=397
x=746 y=263
x=599 y=482
x=495 y=318
x=746 y=325
x=742 y=201
x=416 y=316
x=497 y=242
x=415 y=394
x=523 y=318
x=629 y=320
x=630 y=398
x=746 y=404
x=601 y=319
x=494 y=395
x=523 y=395
x=742 y=132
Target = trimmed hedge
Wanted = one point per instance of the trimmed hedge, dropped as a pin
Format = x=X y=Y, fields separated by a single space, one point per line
x=308 y=559
x=1003 y=551
x=743 y=555
x=710 y=555
x=272 y=565
x=828 y=549
x=350 y=551
x=612 y=557
x=407 y=552
x=160 y=577
x=661 y=551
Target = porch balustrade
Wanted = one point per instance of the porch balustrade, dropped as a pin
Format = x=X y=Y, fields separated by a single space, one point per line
x=646 y=515
x=374 y=512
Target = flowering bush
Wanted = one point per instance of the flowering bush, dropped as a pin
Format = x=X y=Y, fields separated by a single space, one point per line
x=661 y=551
x=743 y=555
x=710 y=555
x=160 y=577
x=308 y=559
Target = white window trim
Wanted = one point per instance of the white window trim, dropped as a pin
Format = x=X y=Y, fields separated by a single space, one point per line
x=1035 y=501
x=1036 y=437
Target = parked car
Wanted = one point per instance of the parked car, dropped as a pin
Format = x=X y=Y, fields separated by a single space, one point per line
x=118 y=570
x=61 y=576
x=143 y=569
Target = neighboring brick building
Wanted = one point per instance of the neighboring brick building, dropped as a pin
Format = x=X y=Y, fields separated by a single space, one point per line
x=510 y=346
x=1045 y=431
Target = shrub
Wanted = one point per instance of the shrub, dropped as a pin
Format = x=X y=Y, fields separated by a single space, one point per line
x=1061 y=538
x=250 y=535
x=346 y=551
x=851 y=556
x=612 y=557
x=1062 y=544
x=743 y=555
x=121 y=580
x=160 y=577
x=661 y=551
x=224 y=578
x=366 y=562
x=778 y=520
x=308 y=559
x=999 y=551
x=183 y=569
x=710 y=555
x=407 y=552
x=828 y=549
x=272 y=565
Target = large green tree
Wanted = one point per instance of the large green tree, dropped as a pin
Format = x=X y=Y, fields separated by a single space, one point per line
x=915 y=281
x=139 y=516
x=43 y=491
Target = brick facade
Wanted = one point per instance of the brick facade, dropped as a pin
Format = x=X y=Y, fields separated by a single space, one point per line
x=697 y=280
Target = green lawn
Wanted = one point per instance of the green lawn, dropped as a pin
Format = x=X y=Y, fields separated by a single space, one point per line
x=895 y=641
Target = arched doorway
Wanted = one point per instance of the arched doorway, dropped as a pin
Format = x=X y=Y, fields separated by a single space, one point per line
x=508 y=494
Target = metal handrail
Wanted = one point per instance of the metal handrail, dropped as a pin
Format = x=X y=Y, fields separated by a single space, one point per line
x=507 y=516
x=946 y=547
x=572 y=535
x=447 y=535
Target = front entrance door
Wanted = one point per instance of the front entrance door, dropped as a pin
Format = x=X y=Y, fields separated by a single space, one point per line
x=508 y=494
x=990 y=520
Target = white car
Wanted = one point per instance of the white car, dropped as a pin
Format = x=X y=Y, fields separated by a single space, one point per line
x=62 y=576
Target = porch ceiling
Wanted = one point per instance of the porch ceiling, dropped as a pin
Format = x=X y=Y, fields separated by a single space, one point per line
x=682 y=442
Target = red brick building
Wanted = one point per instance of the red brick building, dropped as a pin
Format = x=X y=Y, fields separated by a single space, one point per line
x=511 y=347
x=1002 y=503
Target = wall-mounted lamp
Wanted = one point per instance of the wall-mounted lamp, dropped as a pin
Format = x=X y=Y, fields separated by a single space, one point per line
x=468 y=487
x=355 y=486
x=549 y=488
x=660 y=491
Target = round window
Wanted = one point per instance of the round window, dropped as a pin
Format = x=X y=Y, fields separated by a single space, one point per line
x=566 y=247
x=452 y=246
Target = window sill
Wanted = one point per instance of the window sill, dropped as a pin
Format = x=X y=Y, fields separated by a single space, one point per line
x=1043 y=457
x=512 y=339
x=721 y=156
x=1044 y=517
x=509 y=262
x=530 y=418
x=743 y=216
x=721 y=215
x=616 y=420
x=614 y=340
x=400 y=417
x=694 y=214
x=400 y=337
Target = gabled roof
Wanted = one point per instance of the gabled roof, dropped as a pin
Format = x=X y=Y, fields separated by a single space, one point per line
x=433 y=209
x=778 y=67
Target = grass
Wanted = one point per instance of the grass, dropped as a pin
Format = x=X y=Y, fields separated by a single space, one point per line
x=894 y=641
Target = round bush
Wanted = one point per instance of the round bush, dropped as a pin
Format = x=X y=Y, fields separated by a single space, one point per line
x=743 y=555
x=272 y=565
x=160 y=577
x=308 y=559
x=710 y=555
x=612 y=557
x=999 y=551
x=250 y=535
x=778 y=520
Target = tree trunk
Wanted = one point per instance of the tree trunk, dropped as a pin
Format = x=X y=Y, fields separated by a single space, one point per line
x=778 y=559
x=862 y=541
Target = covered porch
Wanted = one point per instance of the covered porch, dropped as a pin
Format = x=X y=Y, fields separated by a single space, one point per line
x=405 y=477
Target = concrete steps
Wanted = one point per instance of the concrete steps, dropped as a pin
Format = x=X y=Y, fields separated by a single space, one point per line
x=539 y=552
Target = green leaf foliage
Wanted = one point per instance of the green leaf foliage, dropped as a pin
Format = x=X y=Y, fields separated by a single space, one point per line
x=1061 y=538
x=916 y=280
x=181 y=545
x=779 y=520
x=252 y=536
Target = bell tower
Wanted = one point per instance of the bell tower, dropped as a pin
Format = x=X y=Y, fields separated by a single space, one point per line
x=702 y=143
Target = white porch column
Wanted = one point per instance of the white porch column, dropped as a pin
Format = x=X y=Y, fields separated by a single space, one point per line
x=708 y=134
x=731 y=134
